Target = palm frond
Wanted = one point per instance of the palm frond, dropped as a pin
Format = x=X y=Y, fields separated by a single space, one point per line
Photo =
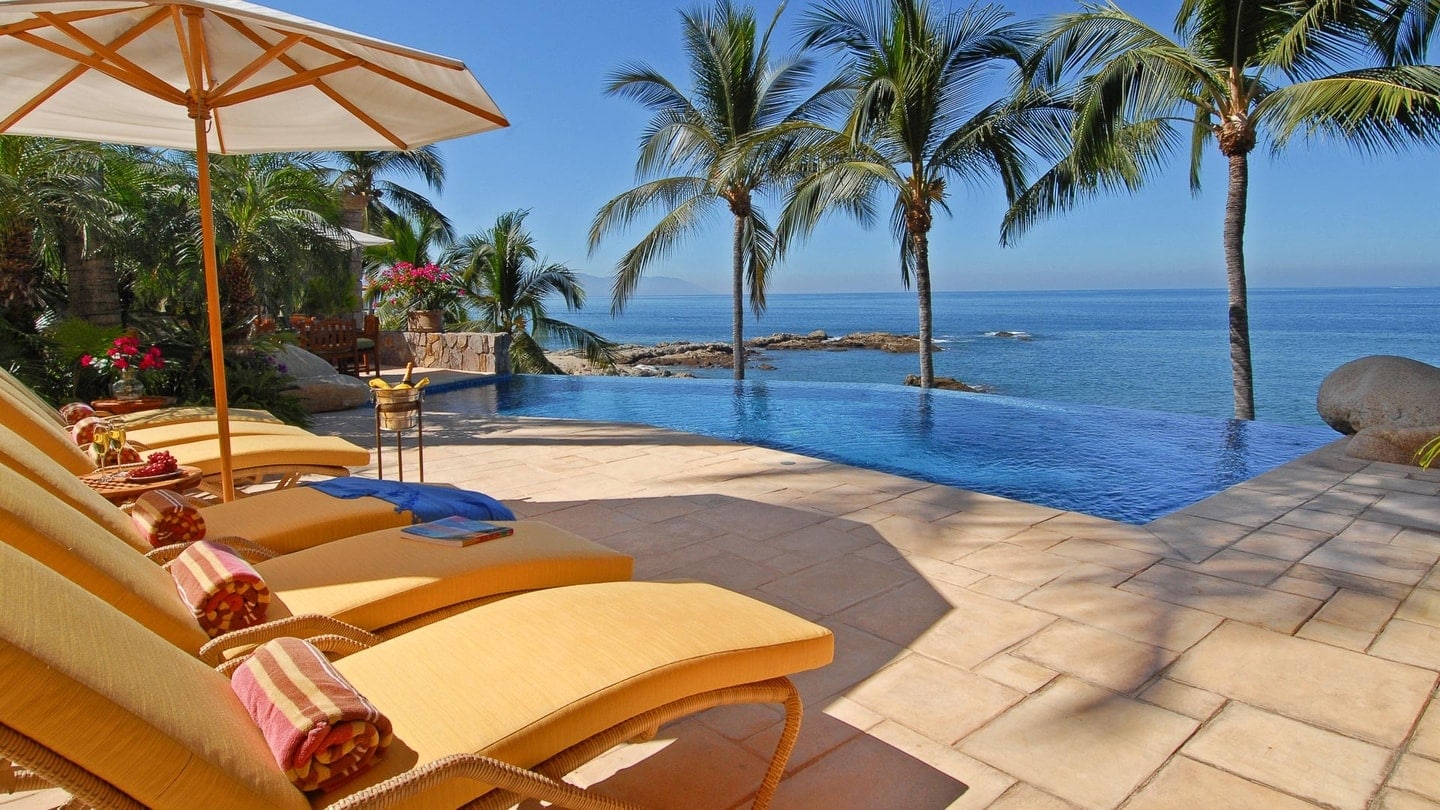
x=1372 y=109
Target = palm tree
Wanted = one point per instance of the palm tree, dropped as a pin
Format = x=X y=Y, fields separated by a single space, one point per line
x=368 y=200
x=1223 y=77
x=270 y=211
x=919 y=120
x=729 y=141
x=509 y=284
x=53 y=212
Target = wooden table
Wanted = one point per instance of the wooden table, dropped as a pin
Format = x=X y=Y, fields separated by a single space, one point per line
x=111 y=483
x=124 y=406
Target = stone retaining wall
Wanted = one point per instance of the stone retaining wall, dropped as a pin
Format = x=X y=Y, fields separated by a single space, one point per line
x=485 y=352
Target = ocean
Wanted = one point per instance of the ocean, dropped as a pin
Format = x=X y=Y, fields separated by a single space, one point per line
x=1162 y=350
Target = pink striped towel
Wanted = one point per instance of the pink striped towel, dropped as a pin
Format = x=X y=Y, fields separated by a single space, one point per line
x=163 y=517
x=223 y=591
x=320 y=730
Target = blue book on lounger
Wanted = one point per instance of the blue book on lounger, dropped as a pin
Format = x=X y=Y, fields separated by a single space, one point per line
x=457 y=531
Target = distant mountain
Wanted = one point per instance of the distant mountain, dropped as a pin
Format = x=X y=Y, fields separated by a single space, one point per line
x=598 y=286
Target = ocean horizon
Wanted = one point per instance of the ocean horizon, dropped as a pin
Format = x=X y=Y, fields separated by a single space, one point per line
x=1163 y=350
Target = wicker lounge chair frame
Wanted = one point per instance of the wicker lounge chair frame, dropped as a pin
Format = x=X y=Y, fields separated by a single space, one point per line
x=39 y=767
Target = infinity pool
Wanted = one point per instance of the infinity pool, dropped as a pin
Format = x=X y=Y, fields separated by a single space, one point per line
x=1126 y=465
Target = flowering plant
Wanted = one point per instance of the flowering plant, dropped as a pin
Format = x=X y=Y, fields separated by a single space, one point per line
x=405 y=286
x=124 y=353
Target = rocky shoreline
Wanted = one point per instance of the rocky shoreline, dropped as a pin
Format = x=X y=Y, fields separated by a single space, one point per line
x=669 y=359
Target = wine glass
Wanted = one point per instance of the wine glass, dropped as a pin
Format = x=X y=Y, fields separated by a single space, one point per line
x=100 y=442
x=117 y=437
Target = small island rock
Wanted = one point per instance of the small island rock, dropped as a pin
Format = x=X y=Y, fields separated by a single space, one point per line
x=949 y=384
x=1380 y=391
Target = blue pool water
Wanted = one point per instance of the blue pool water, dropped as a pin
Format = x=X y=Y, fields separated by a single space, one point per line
x=1126 y=465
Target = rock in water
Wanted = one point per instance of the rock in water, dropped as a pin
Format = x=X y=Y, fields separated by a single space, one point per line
x=949 y=384
x=1381 y=390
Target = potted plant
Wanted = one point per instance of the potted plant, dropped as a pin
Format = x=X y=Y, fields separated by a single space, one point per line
x=422 y=292
x=124 y=360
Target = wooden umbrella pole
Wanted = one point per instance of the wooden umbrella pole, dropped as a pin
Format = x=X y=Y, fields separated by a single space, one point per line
x=200 y=112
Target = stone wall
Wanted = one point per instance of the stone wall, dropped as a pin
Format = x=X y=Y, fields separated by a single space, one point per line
x=485 y=352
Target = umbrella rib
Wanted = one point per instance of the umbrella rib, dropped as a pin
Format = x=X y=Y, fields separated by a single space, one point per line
x=72 y=16
x=307 y=78
x=144 y=82
x=417 y=86
x=294 y=64
x=125 y=66
x=70 y=75
x=258 y=64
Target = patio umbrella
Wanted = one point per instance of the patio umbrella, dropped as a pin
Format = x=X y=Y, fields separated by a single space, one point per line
x=222 y=76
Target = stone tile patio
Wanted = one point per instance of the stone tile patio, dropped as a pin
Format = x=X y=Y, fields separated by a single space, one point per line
x=1275 y=646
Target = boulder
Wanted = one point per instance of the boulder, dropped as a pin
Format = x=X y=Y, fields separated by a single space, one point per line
x=949 y=384
x=1380 y=390
x=1390 y=444
x=320 y=387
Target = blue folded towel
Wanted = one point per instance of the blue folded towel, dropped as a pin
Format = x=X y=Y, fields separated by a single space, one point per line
x=425 y=501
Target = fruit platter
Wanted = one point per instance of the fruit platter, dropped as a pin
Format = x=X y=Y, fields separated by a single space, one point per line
x=158 y=466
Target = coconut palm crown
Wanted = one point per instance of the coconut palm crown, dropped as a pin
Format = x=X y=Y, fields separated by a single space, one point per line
x=509 y=286
x=920 y=119
x=728 y=141
x=1233 y=71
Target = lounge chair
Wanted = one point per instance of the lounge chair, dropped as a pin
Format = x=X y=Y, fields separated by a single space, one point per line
x=285 y=455
x=367 y=586
x=143 y=419
x=511 y=695
x=284 y=520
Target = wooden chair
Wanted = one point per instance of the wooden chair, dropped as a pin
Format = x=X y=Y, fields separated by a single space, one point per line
x=368 y=345
x=334 y=339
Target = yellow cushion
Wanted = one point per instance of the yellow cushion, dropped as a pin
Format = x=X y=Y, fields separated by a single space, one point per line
x=95 y=687
x=287 y=520
x=25 y=459
x=11 y=383
x=526 y=677
x=378 y=579
x=195 y=413
x=47 y=530
x=42 y=431
x=180 y=432
x=252 y=452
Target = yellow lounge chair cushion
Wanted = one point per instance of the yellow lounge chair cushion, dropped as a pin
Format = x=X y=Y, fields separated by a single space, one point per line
x=527 y=677
x=382 y=578
x=283 y=520
x=19 y=456
x=86 y=680
x=288 y=520
x=195 y=413
x=254 y=452
x=47 y=530
x=181 y=432
x=42 y=431
x=520 y=679
x=372 y=580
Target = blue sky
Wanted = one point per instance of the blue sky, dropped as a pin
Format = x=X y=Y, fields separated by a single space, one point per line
x=1319 y=215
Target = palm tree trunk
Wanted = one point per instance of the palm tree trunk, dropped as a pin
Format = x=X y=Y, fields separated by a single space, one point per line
x=737 y=336
x=1241 y=371
x=921 y=244
x=352 y=216
x=90 y=280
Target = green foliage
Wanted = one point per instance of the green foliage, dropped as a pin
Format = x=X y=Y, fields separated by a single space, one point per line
x=509 y=284
x=1428 y=452
x=254 y=380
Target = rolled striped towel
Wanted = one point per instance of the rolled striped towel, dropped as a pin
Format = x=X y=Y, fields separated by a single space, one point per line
x=222 y=590
x=73 y=412
x=320 y=730
x=163 y=517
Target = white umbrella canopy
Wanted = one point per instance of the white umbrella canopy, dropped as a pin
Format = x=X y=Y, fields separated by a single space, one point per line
x=223 y=76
